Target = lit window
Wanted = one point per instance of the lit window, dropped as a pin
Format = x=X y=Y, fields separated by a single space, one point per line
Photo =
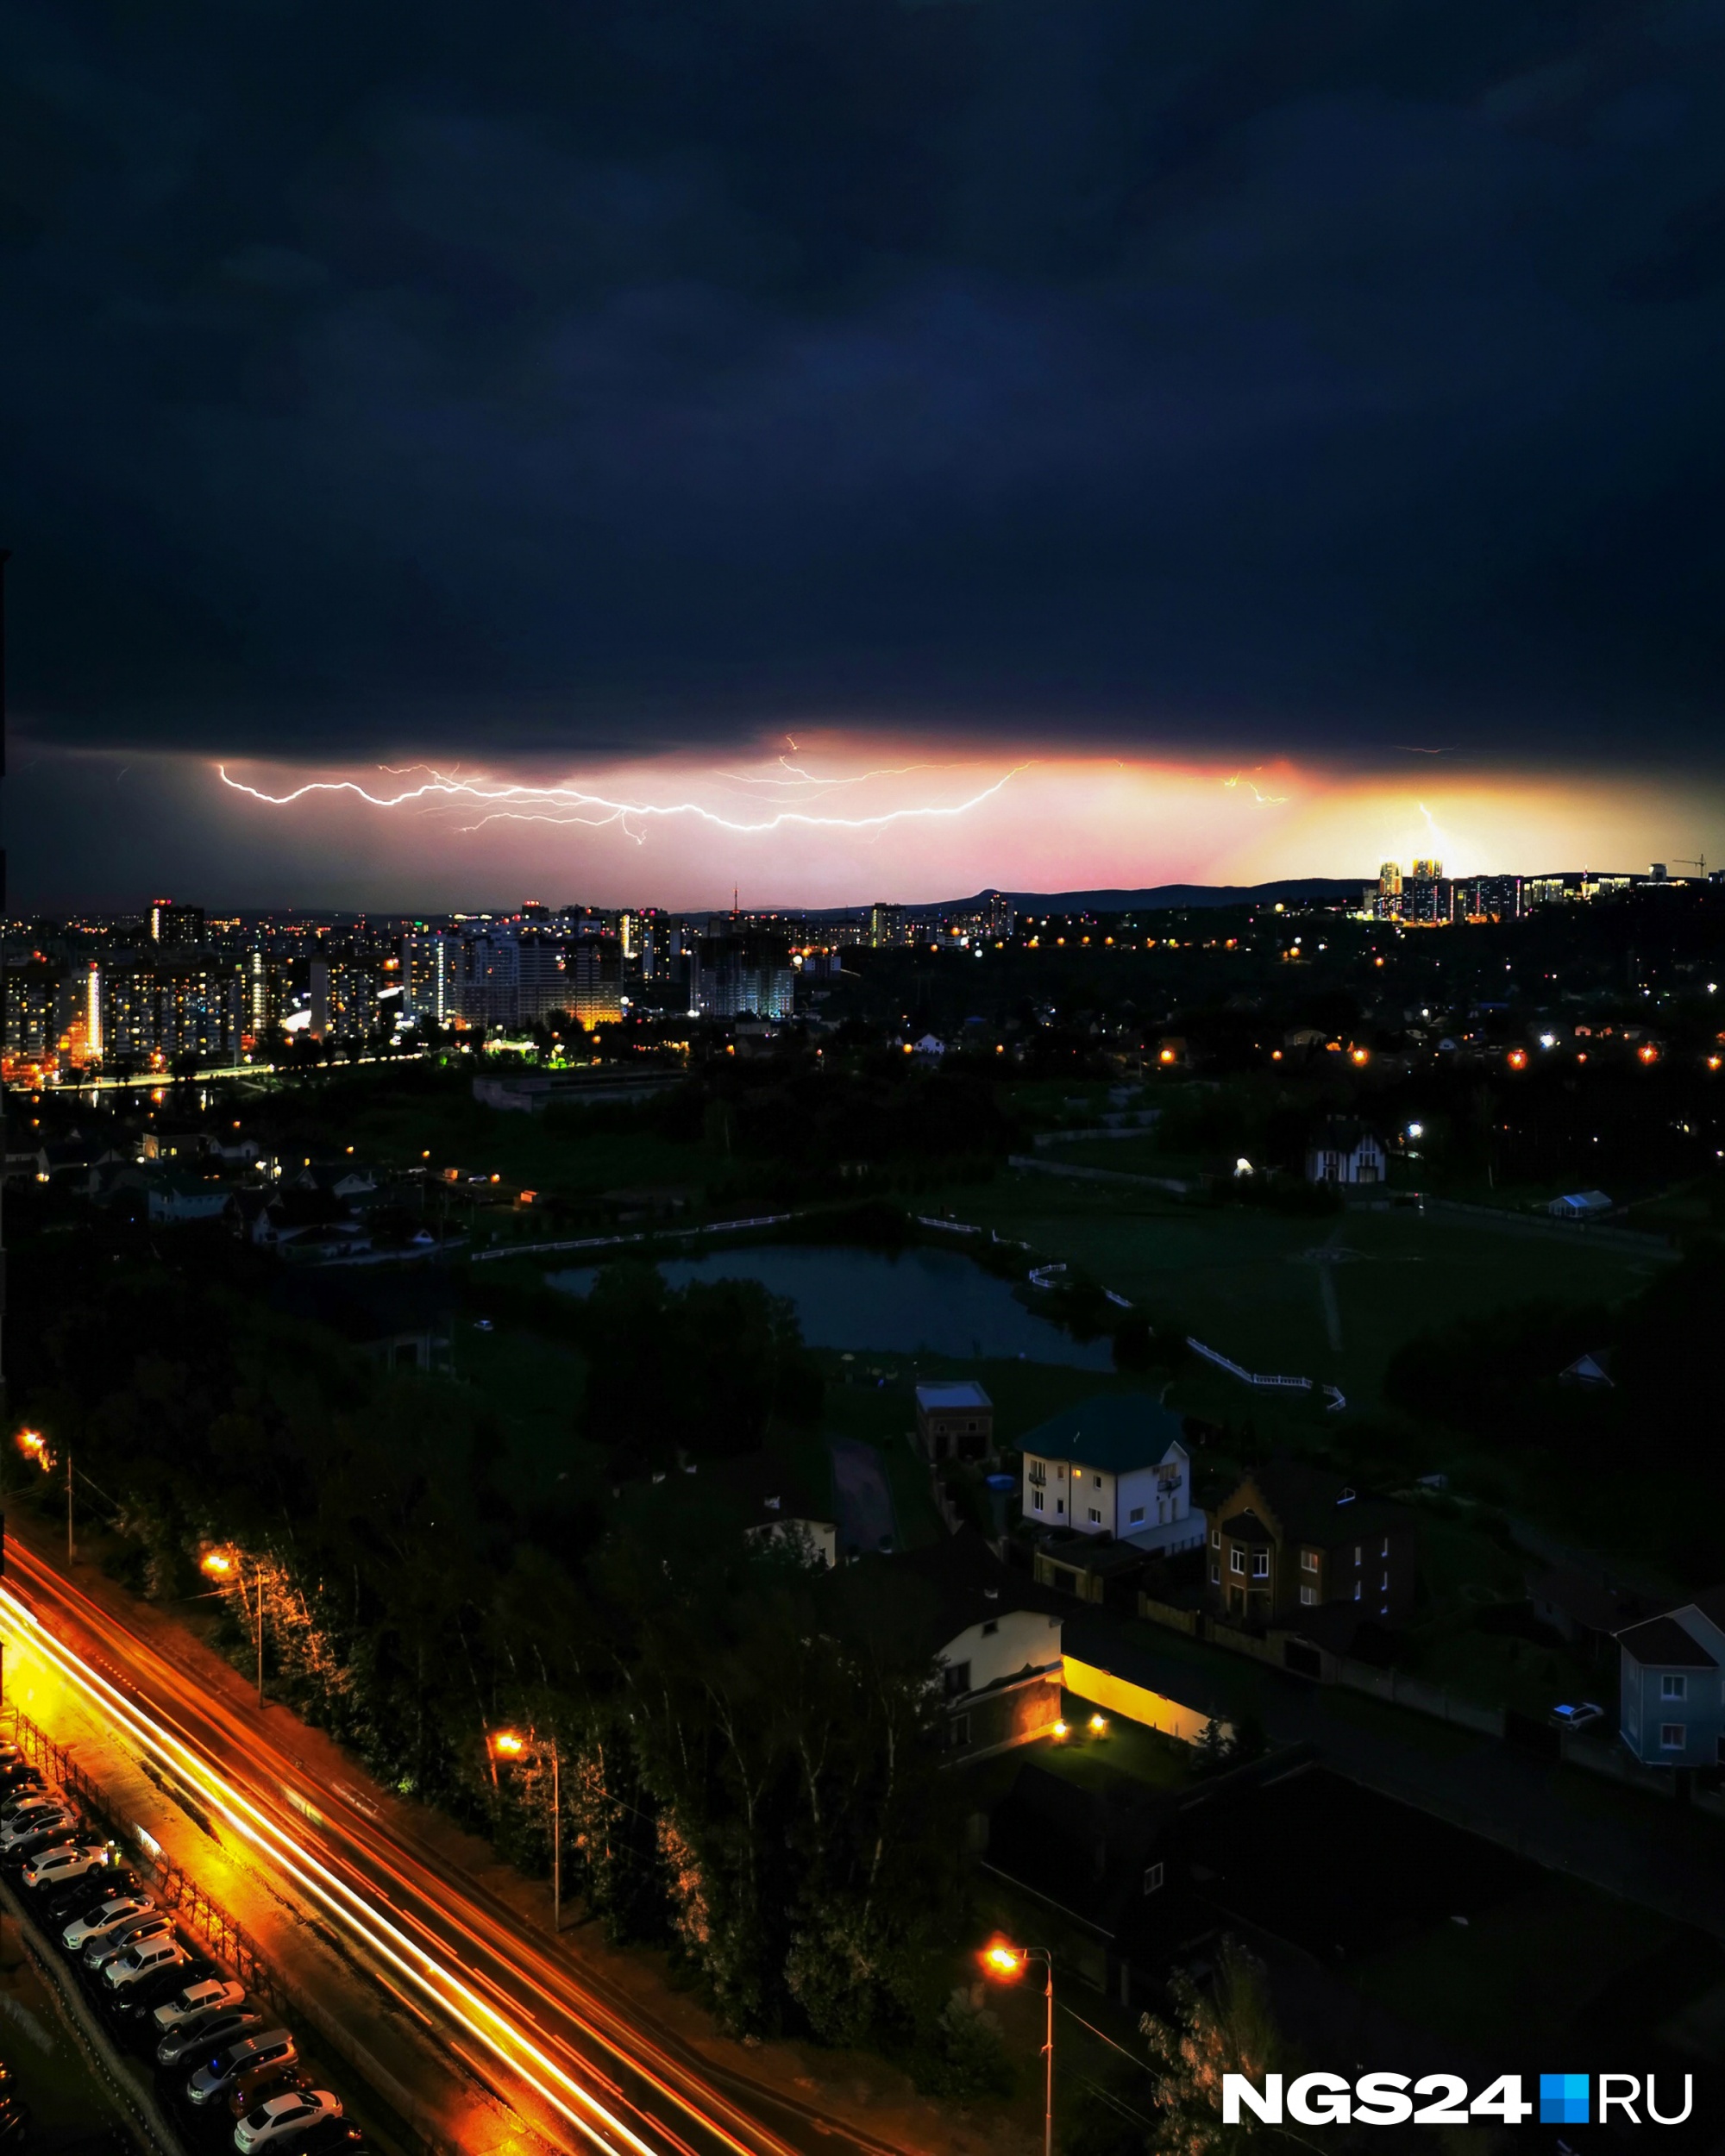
x=1384 y=1588
x=1385 y=1552
x=1309 y=1560
x=1356 y=1590
x=1672 y=1736
x=1260 y=1564
x=1674 y=1687
x=1153 y=1879
x=1308 y=1597
x=1237 y=1560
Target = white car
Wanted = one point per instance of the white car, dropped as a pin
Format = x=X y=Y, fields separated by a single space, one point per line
x=29 y=1826
x=147 y=1958
x=59 y=1867
x=196 y=2002
x=105 y=1917
x=98 y=1952
x=292 y=2112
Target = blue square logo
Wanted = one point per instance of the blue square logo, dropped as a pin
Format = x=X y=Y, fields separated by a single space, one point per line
x=1563 y=2099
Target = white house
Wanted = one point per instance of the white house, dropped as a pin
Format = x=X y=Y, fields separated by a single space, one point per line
x=1116 y=1466
x=993 y=1635
x=1345 y=1152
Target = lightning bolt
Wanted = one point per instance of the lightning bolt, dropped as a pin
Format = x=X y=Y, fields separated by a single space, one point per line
x=574 y=805
x=1257 y=794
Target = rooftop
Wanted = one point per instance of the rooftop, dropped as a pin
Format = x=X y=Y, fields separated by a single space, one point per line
x=931 y=1399
x=1662 y=1643
x=1115 y=1432
x=951 y=1586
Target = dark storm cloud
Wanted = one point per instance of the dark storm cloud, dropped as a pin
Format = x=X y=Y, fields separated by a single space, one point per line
x=638 y=370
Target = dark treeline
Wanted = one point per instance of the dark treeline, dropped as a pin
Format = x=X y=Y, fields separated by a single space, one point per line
x=1643 y=1449
x=747 y=1744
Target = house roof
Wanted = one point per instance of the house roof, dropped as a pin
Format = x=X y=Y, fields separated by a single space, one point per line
x=1319 y=1508
x=1662 y=1643
x=294 y=1208
x=1115 y=1431
x=934 y=1399
x=1246 y=1526
x=951 y=1585
x=1343 y=1134
x=1082 y=1849
x=1593 y=1604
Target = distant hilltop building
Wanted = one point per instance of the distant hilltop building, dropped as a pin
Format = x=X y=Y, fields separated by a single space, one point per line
x=1426 y=897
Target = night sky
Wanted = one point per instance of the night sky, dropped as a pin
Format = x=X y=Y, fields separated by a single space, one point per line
x=626 y=384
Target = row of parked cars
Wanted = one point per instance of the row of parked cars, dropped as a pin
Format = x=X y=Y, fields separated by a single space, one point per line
x=225 y=2064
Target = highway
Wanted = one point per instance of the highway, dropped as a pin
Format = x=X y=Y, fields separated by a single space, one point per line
x=578 y=2068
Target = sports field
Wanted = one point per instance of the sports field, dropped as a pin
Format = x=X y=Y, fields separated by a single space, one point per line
x=1329 y=1298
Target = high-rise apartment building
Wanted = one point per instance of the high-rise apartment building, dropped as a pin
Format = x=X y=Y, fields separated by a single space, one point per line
x=734 y=976
x=173 y=926
x=595 y=981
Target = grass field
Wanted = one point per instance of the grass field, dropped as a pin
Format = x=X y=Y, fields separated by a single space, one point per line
x=1251 y=1283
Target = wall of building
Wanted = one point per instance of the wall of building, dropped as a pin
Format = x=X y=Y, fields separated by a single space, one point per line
x=1117 y=1695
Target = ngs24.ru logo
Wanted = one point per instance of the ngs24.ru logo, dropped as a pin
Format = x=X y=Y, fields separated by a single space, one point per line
x=1390 y=2099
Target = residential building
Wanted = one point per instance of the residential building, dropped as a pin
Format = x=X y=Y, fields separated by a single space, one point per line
x=1587 y=1613
x=1288 y=1541
x=776 y=1505
x=1672 y=1685
x=173 y=926
x=731 y=976
x=431 y=967
x=593 y=988
x=993 y=1635
x=344 y=1000
x=1580 y=1205
x=1345 y=1151
x=1115 y=1465
x=173 y=1195
x=955 y=1421
x=297 y=1222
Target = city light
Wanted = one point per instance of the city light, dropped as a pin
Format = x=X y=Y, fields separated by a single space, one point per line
x=1416 y=1130
x=1356 y=1056
x=1098 y=1724
x=1060 y=1729
x=1649 y=1053
x=508 y=1744
x=1517 y=1059
x=218 y=1564
x=1001 y=1960
x=34 y=1446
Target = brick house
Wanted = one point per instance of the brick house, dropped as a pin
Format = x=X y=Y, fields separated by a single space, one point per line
x=955 y=1421
x=1288 y=1540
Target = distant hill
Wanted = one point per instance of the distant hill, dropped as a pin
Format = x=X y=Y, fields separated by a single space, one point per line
x=1296 y=891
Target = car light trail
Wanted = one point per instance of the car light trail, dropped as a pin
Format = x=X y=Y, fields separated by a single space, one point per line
x=504 y=1959
x=485 y=2023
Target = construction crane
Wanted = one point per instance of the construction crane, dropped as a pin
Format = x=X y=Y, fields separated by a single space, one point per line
x=1698 y=865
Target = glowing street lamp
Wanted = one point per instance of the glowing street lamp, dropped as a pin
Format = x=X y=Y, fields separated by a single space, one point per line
x=1006 y=1964
x=223 y=1564
x=512 y=1745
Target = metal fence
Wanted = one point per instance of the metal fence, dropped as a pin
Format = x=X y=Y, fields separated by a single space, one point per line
x=226 y=1937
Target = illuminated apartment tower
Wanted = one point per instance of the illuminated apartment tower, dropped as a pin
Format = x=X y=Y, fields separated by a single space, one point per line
x=1427 y=901
x=1384 y=899
x=172 y=925
x=431 y=966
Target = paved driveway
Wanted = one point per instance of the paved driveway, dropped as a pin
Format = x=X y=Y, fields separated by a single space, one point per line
x=864 y=1502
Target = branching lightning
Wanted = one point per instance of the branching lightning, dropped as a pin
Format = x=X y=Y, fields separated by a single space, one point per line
x=572 y=805
x=1239 y=779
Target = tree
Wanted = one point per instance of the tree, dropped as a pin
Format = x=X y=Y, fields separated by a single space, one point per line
x=1229 y=2028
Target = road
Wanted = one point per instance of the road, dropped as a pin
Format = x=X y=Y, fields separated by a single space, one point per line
x=581 y=2070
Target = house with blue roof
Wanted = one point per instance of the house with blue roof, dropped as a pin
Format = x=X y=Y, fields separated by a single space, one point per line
x=1672 y=1685
x=1113 y=1466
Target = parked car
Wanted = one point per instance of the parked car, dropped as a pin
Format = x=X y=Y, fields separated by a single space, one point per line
x=196 y=2004
x=17 y=1775
x=99 y=1952
x=66 y=1904
x=41 y=1811
x=273 y=2077
x=277 y=2118
x=226 y=2026
x=133 y=2010
x=214 y=2081
x=50 y=1833
x=59 y=1867
x=23 y=1800
x=34 y=1792
x=106 y=1917
x=145 y=1957
x=1582 y=1715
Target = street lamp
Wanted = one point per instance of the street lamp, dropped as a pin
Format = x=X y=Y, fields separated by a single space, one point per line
x=510 y=1744
x=34 y=1446
x=223 y=1565
x=1005 y=1964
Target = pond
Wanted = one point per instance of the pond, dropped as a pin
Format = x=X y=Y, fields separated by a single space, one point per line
x=935 y=1301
